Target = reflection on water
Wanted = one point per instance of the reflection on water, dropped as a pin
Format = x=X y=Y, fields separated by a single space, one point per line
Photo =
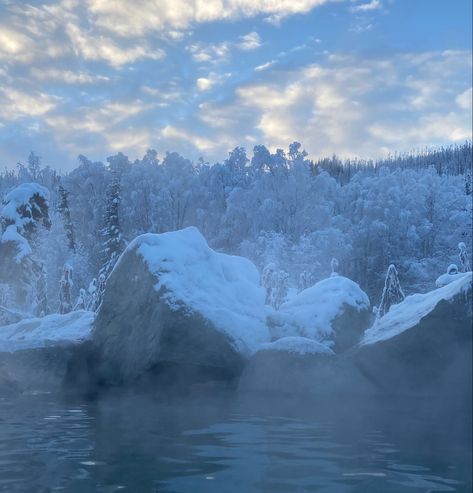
x=228 y=444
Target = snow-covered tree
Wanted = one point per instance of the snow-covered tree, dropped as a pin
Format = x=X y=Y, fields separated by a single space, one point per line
x=81 y=301
x=65 y=290
x=268 y=281
x=113 y=244
x=306 y=280
x=279 y=293
x=63 y=209
x=463 y=256
x=100 y=291
x=25 y=209
x=334 y=265
x=91 y=298
x=392 y=292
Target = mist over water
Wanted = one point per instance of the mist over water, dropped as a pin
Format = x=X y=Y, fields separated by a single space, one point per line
x=216 y=441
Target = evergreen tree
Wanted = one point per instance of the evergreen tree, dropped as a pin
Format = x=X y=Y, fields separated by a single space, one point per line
x=392 y=292
x=305 y=280
x=63 y=209
x=65 y=290
x=334 y=265
x=81 y=300
x=281 y=289
x=463 y=256
x=268 y=281
x=99 y=294
x=113 y=242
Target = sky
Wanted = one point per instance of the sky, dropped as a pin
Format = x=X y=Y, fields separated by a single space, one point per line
x=356 y=78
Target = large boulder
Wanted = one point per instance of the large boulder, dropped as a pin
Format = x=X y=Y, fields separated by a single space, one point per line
x=35 y=354
x=335 y=312
x=301 y=366
x=172 y=302
x=422 y=345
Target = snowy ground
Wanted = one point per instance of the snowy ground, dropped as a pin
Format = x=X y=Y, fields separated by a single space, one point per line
x=409 y=313
x=50 y=330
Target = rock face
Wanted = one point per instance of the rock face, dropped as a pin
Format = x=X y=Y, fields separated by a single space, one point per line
x=35 y=353
x=335 y=311
x=172 y=302
x=296 y=365
x=423 y=345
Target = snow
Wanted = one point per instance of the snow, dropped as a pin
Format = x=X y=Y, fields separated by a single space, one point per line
x=311 y=312
x=51 y=330
x=445 y=279
x=407 y=314
x=297 y=345
x=20 y=196
x=22 y=245
x=225 y=289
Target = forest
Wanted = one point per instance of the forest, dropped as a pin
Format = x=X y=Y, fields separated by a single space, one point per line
x=296 y=218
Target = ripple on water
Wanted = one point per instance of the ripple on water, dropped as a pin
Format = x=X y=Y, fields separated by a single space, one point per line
x=148 y=446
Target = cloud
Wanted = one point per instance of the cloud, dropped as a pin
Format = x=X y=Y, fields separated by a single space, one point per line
x=265 y=66
x=136 y=18
x=104 y=48
x=367 y=7
x=204 y=84
x=354 y=106
x=212 y=53
x=16 y=104
x=464 y=100
x=66 y=76
x=250 y=41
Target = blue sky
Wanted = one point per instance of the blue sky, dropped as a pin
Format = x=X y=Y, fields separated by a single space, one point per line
x=349 y=77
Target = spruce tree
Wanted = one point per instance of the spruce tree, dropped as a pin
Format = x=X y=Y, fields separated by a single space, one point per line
x=392 y=292
x=63 y=209
x=65 y=290
x=113 y=241
x=463 y=256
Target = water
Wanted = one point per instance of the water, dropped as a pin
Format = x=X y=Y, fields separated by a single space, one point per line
x=223 y=443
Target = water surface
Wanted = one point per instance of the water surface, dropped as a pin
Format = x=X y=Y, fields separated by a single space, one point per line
x=219 y=442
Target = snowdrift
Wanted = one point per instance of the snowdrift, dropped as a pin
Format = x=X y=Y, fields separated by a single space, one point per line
x=335 y=312
x=171 y=299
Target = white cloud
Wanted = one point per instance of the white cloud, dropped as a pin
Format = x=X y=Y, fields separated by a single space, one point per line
x=212 y=53
x=204 y=84
x=366 y=7
x=353 y=106
x=66 y=76
x=135 y=18
x=104 y=48
x=170 y=132
x=16 y=104
x=464 y=100
x=250 y=41
x=264 y=66
x=14 y=44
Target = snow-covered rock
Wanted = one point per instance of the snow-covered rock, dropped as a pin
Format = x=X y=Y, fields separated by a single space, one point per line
x=422 y=345
x=171 y=299
x=410 y=312
x=52 y=330
x=301 y=366
x=334 y=312
x=297 y=345
x=35 y=353
x=447 y=278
